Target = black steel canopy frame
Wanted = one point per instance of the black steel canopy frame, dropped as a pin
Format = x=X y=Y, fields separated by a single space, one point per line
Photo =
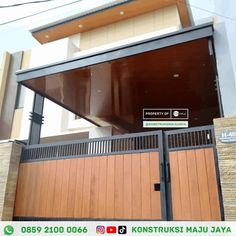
x=170 y=39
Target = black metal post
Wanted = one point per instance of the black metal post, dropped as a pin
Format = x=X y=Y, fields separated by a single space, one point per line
x=36 y=117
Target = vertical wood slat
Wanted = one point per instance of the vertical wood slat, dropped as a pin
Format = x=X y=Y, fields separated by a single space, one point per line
x=119 y=187
x=102 y=187
x=136 y=187
x=79 y=187
x=128 y=202
x=212 y=180
x=65 y=186
x=31 y=189
x=155 y=178
x=175 y=186
x=203 y=183
x=194 y=185
x=108 y=187
x=71 y=188
x=94 y=211
x=50 y=189
x=86 y=188
x=184 y=185
x=58 y=189
x=145 y=186
x=20 y=189
x=110 y=193
x=37 y=199
x=43 y=189
x=28 y=185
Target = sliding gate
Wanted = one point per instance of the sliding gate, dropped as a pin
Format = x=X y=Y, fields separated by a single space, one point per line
x=117 y=177
x=132 y=177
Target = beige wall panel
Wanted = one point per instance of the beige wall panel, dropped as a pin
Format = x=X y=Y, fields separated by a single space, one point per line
x=16 y=125
x=85 y=40
x=171 y=17
x=111 y=33
x=3 y=76
x=146 y=23
x=158 y=19
x=124 y=29
x=98 y=37
x=26 y=60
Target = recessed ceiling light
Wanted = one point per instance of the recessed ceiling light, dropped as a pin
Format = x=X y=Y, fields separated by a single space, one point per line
x=80 y=26
x=46 y=36
x=176 y=75
x=122 y=12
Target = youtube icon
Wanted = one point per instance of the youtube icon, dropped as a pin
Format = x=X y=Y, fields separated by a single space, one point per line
x=111 y=229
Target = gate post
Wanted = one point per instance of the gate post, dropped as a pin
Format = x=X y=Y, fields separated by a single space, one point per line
x=9 y=164
x=226 y=148
x=164 y=210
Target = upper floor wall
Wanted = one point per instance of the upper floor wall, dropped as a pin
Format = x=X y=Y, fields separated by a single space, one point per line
x=153 y=22
x=150 y=24
x=93 y=16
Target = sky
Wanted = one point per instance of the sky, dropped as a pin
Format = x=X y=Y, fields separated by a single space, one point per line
x=15 y=35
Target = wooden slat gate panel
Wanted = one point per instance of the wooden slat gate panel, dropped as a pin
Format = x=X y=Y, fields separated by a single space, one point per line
x=193 y=183
x=105 y=187
x=123 y=177
x=114 y=186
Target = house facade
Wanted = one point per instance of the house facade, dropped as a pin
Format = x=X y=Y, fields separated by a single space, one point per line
x=90 y=83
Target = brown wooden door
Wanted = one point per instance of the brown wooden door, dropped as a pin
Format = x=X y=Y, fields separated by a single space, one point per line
x=194 y=188
x=103 y=187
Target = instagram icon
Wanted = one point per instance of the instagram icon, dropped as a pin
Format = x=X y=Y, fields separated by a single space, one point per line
x=100 y=229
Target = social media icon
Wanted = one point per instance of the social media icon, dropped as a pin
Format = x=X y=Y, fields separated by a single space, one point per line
x=122 y=229
x=100 y=229
x=111 y=229
x=8 y=230
x=176 y=113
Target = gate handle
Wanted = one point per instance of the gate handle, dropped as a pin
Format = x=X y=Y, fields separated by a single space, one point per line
x=162 y=172
x=168 y=172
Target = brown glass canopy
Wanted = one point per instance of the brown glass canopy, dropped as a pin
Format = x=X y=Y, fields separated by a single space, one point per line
x=114 y=86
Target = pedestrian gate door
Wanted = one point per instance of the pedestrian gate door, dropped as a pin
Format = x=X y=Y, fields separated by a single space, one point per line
x=192 y=175
x=134 y=176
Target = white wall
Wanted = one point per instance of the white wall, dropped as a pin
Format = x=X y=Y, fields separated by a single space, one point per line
x=42 y=55
x=224 y=14
x=224 y=11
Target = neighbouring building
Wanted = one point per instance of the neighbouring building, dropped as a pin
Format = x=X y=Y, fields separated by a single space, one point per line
x=101 y=79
